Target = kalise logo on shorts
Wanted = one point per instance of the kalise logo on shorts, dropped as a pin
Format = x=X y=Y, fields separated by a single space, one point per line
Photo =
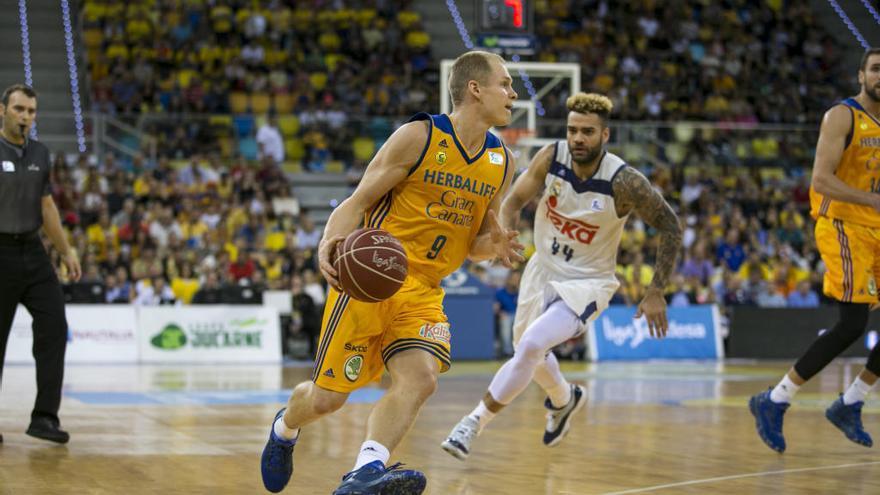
x=574 y=229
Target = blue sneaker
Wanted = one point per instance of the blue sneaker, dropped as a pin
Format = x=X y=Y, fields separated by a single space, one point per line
x=848 y=419
x=376 y=479
x=558 y=419
x=768 y=419
x=276 y=465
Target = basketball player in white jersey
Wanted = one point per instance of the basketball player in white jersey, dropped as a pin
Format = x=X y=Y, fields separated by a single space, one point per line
x=588 y=196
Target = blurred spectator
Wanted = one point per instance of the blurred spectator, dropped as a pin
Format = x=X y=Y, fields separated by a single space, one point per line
x=306 y=316
x=307 y=235
x=210 y=292
x=243 y=267
x=696 y=264
x=153 y=292
x=505 y=310
x=682 y=295
x=731 y=250
x=185 y=285
x=803 y=297
x=313 y=288
x=270 y=141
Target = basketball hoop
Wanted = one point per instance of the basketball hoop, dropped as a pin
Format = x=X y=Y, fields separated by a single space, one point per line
x=511 y=135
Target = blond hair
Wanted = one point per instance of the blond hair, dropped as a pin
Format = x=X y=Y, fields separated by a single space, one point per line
x=471 y=66
x=590 y=103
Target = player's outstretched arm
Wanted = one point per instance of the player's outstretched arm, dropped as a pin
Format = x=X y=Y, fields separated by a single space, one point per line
x=389 y=167
x=495 y=239
x=526 y=187
x=836 y=125
x=633 y=191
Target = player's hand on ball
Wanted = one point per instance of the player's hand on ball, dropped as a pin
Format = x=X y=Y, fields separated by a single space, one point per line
x=506 y=243
x=653 y=307
x=326 y=256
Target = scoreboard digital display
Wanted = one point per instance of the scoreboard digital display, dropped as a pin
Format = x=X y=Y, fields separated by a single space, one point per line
x=504 y=16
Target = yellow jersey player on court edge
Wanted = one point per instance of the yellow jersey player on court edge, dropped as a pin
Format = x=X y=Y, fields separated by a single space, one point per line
x=435 y=185
x=845 y=201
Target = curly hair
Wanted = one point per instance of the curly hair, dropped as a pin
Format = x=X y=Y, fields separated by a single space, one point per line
x=590 y=103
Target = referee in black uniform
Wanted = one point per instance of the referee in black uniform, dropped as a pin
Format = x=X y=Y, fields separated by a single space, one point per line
x=26 y=273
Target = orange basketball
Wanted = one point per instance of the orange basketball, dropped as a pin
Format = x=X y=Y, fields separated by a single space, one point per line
x=371 y=264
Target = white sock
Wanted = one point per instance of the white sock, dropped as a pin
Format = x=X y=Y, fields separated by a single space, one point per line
x=282 y=431
x=856 y=392
x=482 y=414
x=371 y=451
x=560 y=395
x=784 y=391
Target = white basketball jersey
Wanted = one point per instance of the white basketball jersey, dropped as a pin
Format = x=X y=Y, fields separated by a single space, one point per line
x=577 y=230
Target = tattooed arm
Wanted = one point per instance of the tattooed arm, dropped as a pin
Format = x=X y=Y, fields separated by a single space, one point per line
x=633 y=191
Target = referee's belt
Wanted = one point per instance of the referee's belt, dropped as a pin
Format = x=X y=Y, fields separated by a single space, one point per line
x=22 y=237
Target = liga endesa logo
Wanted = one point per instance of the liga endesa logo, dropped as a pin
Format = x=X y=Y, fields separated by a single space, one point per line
x=573 y=229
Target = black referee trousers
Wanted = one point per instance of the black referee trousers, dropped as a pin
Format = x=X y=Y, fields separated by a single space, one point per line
x=27 y=277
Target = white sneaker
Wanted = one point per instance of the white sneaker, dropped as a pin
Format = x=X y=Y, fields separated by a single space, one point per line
x=458 y=444
x=558 y=419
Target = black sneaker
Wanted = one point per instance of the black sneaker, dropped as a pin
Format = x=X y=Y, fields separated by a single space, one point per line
x=558 y=419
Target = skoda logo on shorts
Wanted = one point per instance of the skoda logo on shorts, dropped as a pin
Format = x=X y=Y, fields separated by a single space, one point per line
x=353 y=366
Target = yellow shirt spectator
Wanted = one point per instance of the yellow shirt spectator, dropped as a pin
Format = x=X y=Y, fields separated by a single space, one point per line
x=232 y=249
x=237 y=217
x=184 y=288
x=98 y=239
x=221 y=19
x=745 y=270
x=417 y=40
x=276 y=241
x=274 y=271
x=641 y=276
x=192 y=230
x=138 y=29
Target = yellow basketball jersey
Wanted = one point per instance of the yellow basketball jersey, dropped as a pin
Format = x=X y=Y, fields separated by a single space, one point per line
x=859 y=168
x=437 y=210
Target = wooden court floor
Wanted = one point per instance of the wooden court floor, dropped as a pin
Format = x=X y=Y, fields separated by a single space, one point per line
x=661 y=428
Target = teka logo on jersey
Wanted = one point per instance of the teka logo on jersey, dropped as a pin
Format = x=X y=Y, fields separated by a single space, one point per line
x=574 y=229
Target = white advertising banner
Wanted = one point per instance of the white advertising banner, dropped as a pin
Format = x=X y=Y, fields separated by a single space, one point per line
x=96 y=334
x=209 y=334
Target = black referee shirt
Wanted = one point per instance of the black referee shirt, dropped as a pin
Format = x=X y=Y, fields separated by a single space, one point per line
x=24 y=180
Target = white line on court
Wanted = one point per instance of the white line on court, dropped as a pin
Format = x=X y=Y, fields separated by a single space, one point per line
x=732 y=477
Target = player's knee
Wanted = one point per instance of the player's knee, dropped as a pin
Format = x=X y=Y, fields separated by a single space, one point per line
x=529 y=351
x=854 y=318
x=327 y=401
x=419 y=383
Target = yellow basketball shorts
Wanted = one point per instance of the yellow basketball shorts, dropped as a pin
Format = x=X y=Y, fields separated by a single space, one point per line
x=358 y=338
x=851 y=254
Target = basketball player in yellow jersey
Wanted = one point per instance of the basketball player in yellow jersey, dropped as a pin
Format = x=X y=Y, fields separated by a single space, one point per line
x=845 y=201
x=436 y=185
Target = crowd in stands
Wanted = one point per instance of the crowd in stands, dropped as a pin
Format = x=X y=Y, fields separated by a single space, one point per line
x=341 y=75
x=735 y=60
x=238 y=90
x=206 y=232
x=312 y=62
